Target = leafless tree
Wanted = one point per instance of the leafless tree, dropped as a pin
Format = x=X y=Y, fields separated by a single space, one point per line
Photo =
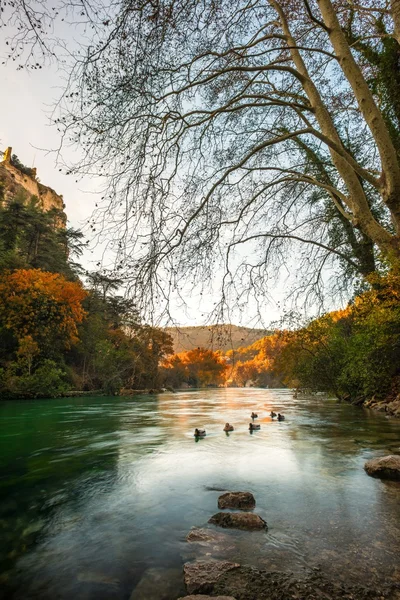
x=240 y=138
x=35 y=32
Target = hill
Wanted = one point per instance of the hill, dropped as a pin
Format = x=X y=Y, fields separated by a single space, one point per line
x=214 y=337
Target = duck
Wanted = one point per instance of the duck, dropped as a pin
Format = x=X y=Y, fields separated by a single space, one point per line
x=229 y=427
x=281 y=417
x=199 y=432
x=252 y=426
x=273 y=414
x=254 y=415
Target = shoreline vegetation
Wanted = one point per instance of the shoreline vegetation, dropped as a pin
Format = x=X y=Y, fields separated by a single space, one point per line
x=65 y=332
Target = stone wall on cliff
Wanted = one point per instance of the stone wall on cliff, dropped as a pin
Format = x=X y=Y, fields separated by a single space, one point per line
x=14 y=180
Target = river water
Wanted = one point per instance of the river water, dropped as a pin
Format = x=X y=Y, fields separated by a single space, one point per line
x=97 y=491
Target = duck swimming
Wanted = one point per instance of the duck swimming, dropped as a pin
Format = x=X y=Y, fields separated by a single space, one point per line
x=252 y=426
x=254 y=415
x=281 y=417
x=273 y=414
x=199 y=432
x=229 y=427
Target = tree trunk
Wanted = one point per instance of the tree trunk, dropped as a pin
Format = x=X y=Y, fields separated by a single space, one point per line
x=356 y=201
x=371 y=113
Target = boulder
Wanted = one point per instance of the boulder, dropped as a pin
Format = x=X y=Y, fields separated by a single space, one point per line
x=240 y=500
x=246 y=521
x=201 y=576
x=386 y=467
x=158 y=584
x=202 y=597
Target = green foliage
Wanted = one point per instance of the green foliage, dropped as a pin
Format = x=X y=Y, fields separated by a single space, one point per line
x=31 y=238
x=115 y=350
x=352 y=353
x=48 y=381
x=110 y=349
x=21 y=167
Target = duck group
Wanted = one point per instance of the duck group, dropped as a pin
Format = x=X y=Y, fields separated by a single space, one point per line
x=199 y=433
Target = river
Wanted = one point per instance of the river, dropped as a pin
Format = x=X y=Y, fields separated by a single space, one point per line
x=96 y=491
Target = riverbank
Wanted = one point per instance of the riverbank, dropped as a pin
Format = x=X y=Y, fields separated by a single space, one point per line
x=389 y=406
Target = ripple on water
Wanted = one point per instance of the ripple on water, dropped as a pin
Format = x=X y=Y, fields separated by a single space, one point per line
x=98 y=491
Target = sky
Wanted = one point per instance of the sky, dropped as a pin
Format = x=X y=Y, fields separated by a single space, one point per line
x=27 y=99
x=26 y=102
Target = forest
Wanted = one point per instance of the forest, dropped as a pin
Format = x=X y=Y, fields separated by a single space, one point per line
x=352 y=354
x=57 y=334
x=254 y=140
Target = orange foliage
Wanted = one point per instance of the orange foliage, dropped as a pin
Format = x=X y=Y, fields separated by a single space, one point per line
x=40 y=305
x=198 y=366
x=255 y=363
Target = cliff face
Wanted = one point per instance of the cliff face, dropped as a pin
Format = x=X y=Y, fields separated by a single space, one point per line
x=13 y=180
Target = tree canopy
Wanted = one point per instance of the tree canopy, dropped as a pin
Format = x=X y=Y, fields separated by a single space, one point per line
x=243 y=138
x=236 y=138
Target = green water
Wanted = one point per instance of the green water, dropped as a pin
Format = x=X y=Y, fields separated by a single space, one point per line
x=96 y=491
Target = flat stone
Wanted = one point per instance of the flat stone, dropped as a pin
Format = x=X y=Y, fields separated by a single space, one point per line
x=386 y=467
x=201 y=576
x=240 y=500
x=202 y=597
x=246 y=521
x=158 y=584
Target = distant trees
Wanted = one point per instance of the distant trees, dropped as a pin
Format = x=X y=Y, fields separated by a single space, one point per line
x=20 y=166
x=197 y=368
x=55 y=335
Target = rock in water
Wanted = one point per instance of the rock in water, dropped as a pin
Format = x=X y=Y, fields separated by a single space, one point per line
x=196 y=534
x=200 y=577
x=240 y=500
x=159 y=584
x=386 y=467
x=246 y=521
x=202 y=597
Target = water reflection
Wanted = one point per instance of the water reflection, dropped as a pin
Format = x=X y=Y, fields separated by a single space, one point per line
x=98 y=490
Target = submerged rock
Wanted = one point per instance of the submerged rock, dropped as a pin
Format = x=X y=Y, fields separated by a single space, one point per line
x=240 y=500
x=205 y=535
x=386 y=467
x=245 y=521
x=95 y=577
x=158 y=584
x=202 y=597
x=201 y=576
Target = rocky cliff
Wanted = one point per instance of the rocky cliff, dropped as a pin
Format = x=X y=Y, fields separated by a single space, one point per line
x=14 y=178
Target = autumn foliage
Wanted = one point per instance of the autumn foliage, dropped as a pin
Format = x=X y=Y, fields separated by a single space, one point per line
x=198 y=367
x=41 y=307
